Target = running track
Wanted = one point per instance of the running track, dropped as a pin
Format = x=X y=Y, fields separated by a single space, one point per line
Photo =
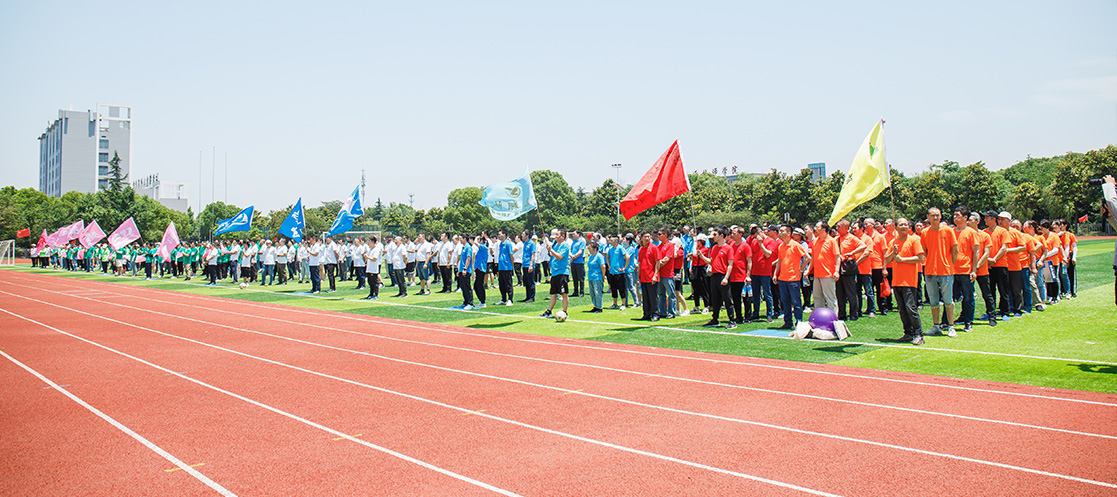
x=110 y=389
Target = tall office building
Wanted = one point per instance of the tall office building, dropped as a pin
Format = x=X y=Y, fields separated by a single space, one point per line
x=818 y=171
x=75 y=150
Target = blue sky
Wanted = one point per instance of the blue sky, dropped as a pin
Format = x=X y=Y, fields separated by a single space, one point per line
x=432 y=96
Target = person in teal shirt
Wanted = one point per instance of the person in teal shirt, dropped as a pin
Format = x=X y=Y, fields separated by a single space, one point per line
x=480 y=268
x=577 y=264
x=595 y=270
x=465 y=269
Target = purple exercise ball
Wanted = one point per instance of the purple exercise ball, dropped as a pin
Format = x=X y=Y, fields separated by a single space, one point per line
x=823 y=318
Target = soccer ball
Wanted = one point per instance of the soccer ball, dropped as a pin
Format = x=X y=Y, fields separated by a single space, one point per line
x=560 y=316
x=244 y=285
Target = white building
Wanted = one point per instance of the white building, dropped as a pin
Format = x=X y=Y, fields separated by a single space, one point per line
x=75 y=150
x=169 y=193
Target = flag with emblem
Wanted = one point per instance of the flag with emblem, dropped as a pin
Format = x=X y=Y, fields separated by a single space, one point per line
x=91 y=235
x=240 y=222
x=509 y=200
x=350 y=211
x=126 y=233
x=170 y=241
x=292 y=227
x=867 y=177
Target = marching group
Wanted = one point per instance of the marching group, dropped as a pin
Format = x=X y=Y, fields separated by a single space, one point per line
x=854 y=268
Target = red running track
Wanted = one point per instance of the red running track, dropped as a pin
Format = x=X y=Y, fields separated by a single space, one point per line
x=259 y=399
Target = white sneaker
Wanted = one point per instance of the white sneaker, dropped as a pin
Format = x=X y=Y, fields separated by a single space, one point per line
x=508 y=304
x=684 y=312
x=951 y=333
x=500 y=303
x=622 y=308
x=467 y=308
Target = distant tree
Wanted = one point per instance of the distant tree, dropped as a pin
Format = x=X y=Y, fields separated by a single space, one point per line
x=117 y=178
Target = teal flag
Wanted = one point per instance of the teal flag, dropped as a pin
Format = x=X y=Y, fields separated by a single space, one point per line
x=510 y=200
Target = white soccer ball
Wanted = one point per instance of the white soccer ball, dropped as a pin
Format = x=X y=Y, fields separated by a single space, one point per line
x=244 y=285
x=560 y=316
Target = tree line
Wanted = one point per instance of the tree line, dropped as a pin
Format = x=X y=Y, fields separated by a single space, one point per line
x=1035 y=188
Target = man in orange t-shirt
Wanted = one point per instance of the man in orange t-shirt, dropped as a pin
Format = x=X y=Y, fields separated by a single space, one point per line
x=1014 y=241
x=998 y=265
x=789 y=275
x=1033 y=296
x=825 y=257
x=981 y=264
x=851 y=248
x=905 y=254
x=965 y=273
x=876 y=261
x=1051 y=258
x=1070 y=256
x=865 y=268
x=941 y=246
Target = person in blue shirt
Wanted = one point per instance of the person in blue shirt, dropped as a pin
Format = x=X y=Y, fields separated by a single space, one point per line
x=617 y=257
x=480 y=268
x=464 y=271
x=505 y=268
x=528 y=267
x=560 y=270
x=630 y=273
x=595 y=271
x=578 y=264
x=688 y=248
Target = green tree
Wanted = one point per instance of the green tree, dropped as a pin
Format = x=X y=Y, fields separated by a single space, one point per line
x=554 y=196
x=463 y=213
x=1027 y=200
x=117 y=179
x=978 y=189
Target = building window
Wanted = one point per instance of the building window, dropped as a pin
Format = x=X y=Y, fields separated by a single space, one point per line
x=102 y=184
x=103 y=157
x=103 y=170
x=103 y=144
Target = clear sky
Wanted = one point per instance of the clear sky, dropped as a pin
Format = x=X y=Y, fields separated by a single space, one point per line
x=432 y=96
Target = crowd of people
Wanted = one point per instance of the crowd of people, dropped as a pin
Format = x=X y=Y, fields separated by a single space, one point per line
x=858 y=268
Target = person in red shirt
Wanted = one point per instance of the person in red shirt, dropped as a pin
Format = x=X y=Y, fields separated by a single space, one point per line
x=665 y=267
x=721 y=262
x=760 y=274
x=699 y=273
x=906 y=254
x=851 y=248
x=789 y=273
x=649 y=276
x=743 y=261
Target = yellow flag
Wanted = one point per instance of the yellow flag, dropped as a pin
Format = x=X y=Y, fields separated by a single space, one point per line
x=867 y=177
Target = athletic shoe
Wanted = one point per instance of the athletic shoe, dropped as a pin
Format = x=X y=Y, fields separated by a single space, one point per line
x=613 y=307
x=873 y=315
x=918 y=340
x=546 y=314
x=992 y=321
x=713 y=323
x=655 y=318
x=1005 y=318
x=935 y=330
x=595 y=311
x=951 y=333
x=1018 y=315
x=622 y=307
x=508 y=304
x=479 y=306
x=907 y=338
x=684 y=312
x=731 y=326
x=500 y=303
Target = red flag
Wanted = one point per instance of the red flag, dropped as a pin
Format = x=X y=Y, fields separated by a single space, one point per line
x=664 y=180
x=23 y=232
x=42 y=243
x=1084 y=219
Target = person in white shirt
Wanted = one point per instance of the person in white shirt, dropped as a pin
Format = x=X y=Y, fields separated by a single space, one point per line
x=314 y=259
x=518 y=259
x=211 y=255
x=544 y=259
x=423 y=256
x=410 y=250
x=234 y=260
x=357 y=254
x=372 y=256
x=399 y=267
x=329 y=258
x=248 y=253
x=389 y=253
x=281 y=261
x=445 y=250
x=269 y=263
x=303 y=260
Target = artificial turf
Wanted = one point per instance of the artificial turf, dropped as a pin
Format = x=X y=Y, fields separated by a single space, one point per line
x=1071 y=345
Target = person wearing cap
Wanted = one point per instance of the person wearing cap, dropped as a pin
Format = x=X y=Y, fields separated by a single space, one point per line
x=1014 y=241
x=906 y=253
x=998 y=265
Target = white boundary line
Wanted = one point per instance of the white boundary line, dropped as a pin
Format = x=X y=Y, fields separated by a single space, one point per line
x=128 y=431
x=603 y=397
x=259 y=404
x=565 y=363
x=400 y=394
x=523 y=338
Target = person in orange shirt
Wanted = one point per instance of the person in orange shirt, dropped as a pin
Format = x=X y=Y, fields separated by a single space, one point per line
x=889 y=230
x=825 y=257
x=1051 y=259
x=876 y=263
x=865 y=268
x=998 y=265
x=789 y=273
x=851 y=248
x=965 y=272
x=1034 y=295
x=1069 y=244
x=905 y=254
x=941 y=246
x=982 y=266
x=1014 y=241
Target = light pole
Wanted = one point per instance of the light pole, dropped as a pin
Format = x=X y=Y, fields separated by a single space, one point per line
x=618 y=187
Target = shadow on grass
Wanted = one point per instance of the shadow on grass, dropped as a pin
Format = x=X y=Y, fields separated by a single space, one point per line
x=493 y=325
x=851 y=349
x=1096 y=368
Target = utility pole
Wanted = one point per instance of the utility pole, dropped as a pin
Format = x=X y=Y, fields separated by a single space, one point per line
x=618 y=187
x=363 y=202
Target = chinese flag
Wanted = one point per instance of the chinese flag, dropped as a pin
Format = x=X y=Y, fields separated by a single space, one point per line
x=23 y=232
x=664 y=180
x=1084 y=219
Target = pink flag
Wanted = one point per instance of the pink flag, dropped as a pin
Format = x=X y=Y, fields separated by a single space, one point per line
x=91 y=235
x=170 y=241
x=57 y=239
x=41 y=244
x=74 y=230
x=125 y=234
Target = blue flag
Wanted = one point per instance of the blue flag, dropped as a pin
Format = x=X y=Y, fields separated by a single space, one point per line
x=292 y=227
x=510 y=200
x=350 y=210
x=240 y=222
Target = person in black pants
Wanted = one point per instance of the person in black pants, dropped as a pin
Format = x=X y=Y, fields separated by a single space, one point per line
x=721 y=260
x=851 y=248
x=577 y=264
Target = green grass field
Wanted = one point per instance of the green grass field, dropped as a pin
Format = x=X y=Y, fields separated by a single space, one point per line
x=1071 y=345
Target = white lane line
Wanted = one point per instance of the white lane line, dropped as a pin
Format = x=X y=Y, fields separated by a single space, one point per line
x=590 y=366
x=118 y=425
x=505 y=336
x=596 y=396
x=258 y=404
x=400 y=394
x=371 y=319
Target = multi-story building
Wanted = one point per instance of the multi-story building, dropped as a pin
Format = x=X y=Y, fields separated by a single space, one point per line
x=75 y=150
x=818 y=171
x=169 y=193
